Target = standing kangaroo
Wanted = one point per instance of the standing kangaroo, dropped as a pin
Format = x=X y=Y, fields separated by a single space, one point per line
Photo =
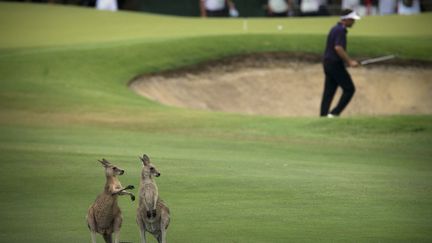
x=104 y=215
x=153 y=214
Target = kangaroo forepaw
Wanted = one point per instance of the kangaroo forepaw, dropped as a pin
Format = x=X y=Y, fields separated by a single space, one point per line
x=151 y=214
x=132 y=197
x=130 y=187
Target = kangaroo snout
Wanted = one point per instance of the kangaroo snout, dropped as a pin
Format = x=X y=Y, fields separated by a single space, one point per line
x=121 y=172
x=158 y=174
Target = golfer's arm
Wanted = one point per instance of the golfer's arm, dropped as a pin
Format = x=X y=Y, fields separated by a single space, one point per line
x=202 y=9
x=342 y=54
x=290 y=4
x=230 y=4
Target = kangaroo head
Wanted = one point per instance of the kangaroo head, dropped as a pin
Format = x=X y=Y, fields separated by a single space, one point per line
x=110 y=169
x=148 y=170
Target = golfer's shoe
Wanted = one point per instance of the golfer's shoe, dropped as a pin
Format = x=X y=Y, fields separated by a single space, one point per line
x=331 y=116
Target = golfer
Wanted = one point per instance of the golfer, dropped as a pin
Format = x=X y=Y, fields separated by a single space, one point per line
x=335 y=61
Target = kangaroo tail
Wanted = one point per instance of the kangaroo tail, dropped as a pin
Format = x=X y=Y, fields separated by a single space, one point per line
x=107 y=238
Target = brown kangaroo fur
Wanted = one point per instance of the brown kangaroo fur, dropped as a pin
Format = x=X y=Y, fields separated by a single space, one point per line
x=153 y=214
x=104 y=215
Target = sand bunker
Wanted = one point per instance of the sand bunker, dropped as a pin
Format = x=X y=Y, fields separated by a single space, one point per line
x=288 y=85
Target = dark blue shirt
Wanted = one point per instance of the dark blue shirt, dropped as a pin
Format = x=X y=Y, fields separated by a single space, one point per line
x=336 y=36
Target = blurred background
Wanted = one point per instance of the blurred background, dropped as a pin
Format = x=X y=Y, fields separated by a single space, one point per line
x=259 y=8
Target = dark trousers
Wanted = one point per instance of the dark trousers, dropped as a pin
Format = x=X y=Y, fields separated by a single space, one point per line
x=283 y=14
x=336 y=75
x=218 y=13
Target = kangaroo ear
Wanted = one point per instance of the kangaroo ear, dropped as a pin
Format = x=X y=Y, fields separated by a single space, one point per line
x=145 y=159
x=104 y=162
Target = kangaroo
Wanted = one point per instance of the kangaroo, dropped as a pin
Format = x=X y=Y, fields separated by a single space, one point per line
x=153 y=214
x=104 y=215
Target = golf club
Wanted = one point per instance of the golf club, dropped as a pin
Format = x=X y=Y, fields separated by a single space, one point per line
x=377 y=59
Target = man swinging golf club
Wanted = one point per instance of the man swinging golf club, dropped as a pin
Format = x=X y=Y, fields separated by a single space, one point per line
x=335 y=61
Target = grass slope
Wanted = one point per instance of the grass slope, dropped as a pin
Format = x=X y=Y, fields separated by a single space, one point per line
x=226 y=177
x=27 y=25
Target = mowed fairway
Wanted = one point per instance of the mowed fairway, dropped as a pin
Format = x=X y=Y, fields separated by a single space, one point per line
x=226 y=177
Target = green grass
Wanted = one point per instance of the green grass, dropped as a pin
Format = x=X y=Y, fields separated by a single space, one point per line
x=226 y=177
x=47 y=26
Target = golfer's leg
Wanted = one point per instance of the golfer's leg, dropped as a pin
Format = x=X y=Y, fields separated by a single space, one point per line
x=344 y=80
x=330 y=87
